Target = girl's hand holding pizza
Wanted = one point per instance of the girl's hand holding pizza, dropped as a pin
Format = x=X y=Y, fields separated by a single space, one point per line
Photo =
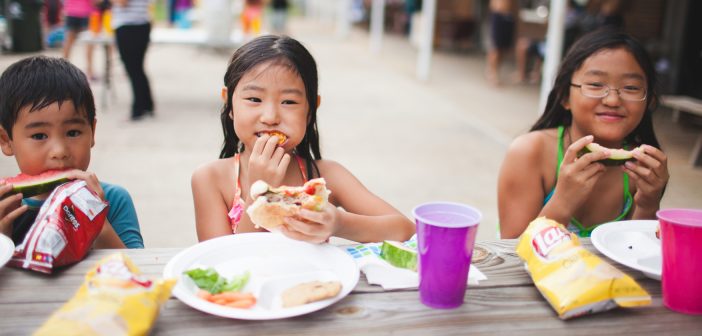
x=313 y=226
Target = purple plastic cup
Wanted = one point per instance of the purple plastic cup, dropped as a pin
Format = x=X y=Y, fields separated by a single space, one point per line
x=681 y=238
x=445 y=238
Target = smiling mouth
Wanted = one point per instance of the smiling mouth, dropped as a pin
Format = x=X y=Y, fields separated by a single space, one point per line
x=610 y=115
x=282 y=138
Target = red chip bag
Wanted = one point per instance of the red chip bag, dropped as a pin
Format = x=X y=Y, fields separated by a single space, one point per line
x=64 y=230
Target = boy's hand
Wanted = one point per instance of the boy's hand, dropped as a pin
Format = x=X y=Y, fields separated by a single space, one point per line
x=578 y=175
x=90 y=179
x=650 y=174
x=312 y=226
x=10 y=208
x=268 y=162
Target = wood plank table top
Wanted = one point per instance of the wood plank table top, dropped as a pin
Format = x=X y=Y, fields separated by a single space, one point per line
x=506 y=303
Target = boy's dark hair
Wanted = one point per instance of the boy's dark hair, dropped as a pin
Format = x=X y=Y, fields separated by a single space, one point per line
x=40 y=81
x=606 y=38
x=280 y=50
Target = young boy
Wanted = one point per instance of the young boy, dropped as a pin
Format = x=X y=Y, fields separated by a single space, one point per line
x=47 y=121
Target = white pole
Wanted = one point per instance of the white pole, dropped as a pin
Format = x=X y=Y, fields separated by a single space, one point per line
x=426 y=46
x=329 y=11
x=343 y=24
x=554 y=49
x=376 y=25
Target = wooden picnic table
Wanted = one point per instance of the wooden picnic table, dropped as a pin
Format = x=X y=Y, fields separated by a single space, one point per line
x=506 y=303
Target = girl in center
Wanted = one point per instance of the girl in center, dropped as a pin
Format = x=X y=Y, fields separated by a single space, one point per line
x=271 y=88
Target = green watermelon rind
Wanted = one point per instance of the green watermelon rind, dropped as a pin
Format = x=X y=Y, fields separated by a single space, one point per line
x=30 y=185
x=399 y=255
x=617 y=158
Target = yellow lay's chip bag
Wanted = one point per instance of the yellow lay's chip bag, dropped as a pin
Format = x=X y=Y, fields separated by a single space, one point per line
x=113 y=300
x=572 y=279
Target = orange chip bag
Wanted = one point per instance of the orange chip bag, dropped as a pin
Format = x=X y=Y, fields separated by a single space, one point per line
x=572 y=279
x=113 y=300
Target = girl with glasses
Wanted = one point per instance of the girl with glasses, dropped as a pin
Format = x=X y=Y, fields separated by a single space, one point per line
x=604 y=93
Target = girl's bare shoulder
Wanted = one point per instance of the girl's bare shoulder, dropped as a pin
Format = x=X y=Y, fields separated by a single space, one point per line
x=216 y=169
x=339 y=179
x=534 y=145
x=330 y=169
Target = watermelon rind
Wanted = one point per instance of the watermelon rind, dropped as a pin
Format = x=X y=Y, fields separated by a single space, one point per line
x=399 y=255
x=33 y=185
x=617 y=157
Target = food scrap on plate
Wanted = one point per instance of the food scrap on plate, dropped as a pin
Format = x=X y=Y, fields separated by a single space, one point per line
x=308 y=292
x=218 y=290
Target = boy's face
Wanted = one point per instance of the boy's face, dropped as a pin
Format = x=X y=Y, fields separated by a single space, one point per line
x=50 y=138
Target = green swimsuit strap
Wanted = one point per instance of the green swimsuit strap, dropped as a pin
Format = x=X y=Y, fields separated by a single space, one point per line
x=561 y=130
x=628 y=201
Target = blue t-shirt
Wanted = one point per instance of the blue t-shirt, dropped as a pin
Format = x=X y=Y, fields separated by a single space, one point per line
x=121 y=215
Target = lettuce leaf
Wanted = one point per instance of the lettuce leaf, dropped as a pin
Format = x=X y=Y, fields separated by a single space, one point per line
x=209 y=280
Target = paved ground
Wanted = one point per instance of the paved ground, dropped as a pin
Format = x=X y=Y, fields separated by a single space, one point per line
x=408 y=141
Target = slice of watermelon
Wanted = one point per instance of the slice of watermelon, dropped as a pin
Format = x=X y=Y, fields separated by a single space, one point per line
x=32 y=185
x=399 y=255
x=617 y=156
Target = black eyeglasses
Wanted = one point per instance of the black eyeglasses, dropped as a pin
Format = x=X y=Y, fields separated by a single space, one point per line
x=629 y=92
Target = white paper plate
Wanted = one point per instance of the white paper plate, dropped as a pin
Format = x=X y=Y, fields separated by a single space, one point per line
x=7 y=247
x=631 y=243
x=276 y=263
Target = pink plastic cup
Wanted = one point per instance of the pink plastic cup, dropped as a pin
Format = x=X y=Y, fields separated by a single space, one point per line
x=445 y=238
x=681 y=237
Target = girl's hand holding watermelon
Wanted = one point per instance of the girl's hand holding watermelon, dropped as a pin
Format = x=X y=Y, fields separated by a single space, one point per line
x=650 y=174
x=576 y=179
x=10 y=208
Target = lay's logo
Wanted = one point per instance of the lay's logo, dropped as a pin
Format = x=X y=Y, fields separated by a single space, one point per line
x=545 y=240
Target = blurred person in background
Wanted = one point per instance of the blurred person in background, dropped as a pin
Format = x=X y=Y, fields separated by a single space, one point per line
x=602 y=13
x=527 y=49
x=77 y=15
x=53 y=29
x=251 y=17
x=132 y=24
x=279 y=15
x=99 y=17
x=502 y=24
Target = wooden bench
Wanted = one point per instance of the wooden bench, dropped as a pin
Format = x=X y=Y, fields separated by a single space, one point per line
x=690 y=105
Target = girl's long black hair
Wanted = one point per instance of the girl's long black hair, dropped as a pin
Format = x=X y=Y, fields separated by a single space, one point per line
x=281 y=50
x=606 y=38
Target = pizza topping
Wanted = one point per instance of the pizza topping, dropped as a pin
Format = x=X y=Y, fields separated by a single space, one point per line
x=282 y=138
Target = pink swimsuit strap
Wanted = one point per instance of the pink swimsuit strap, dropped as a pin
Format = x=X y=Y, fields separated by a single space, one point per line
x=237 y=209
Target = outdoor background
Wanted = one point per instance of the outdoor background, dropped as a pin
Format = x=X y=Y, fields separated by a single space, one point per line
x=407 y=140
